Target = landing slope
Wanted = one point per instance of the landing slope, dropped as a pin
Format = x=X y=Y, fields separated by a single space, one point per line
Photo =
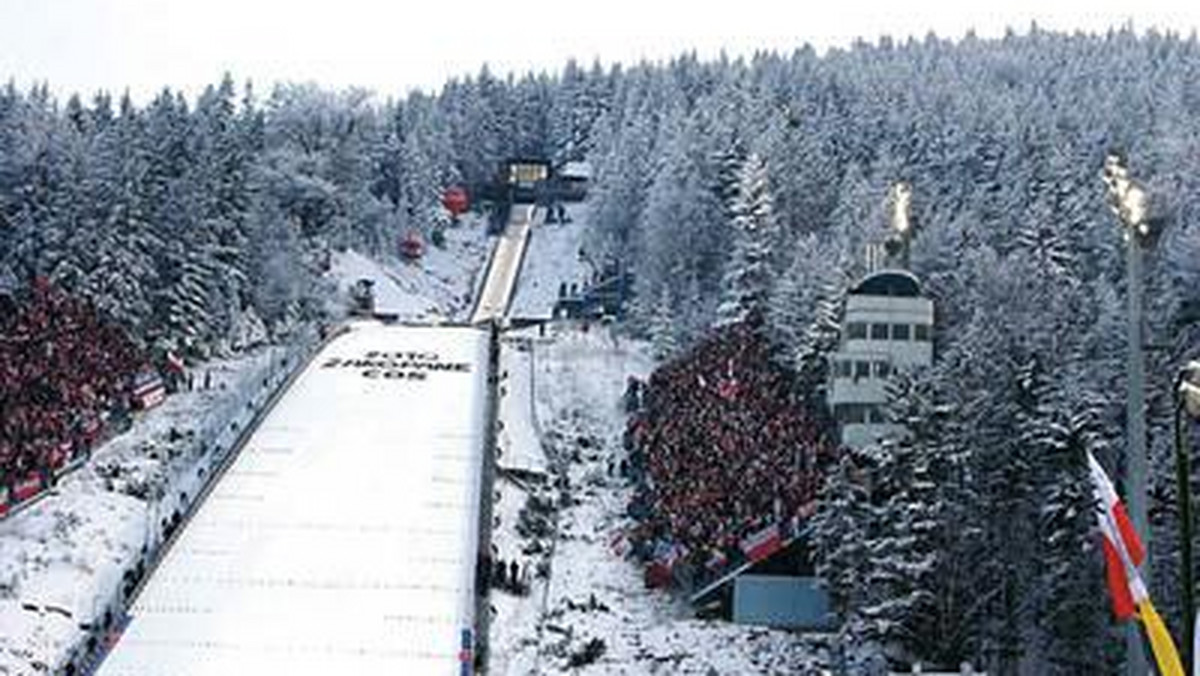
x=343 y=537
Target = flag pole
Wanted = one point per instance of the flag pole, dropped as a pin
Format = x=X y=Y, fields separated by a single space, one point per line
x=1184 y=496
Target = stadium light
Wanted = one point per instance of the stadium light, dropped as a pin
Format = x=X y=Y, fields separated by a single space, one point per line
x=1126 y=198
x=901 y=207
x=900 y=197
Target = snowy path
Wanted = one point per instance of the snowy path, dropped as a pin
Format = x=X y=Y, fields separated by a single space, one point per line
x=551 y=259
x=519 y=446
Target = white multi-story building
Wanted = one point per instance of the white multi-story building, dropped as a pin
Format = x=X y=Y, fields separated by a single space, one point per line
x=887 y=326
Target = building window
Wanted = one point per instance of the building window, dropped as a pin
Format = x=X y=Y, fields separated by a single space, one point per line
x=899 y=331
x=922 y=332
x=879 y=332
x=875 y=415
x=883 y=369
x=844 y=369
x=862 y=369
x=857 y=330
x=851 y=413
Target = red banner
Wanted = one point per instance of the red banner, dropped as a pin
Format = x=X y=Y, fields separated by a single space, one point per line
x=149 y=390
x=762 y=544
x=28 y=487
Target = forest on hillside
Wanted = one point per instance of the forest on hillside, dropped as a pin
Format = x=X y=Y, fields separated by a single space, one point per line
x=975 y=539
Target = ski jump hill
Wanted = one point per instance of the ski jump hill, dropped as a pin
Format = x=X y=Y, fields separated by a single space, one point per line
x=343 y=536
x=504 y=266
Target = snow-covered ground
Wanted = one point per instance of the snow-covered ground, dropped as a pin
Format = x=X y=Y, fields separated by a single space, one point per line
x=594 y=599
x=68 y=553
x=551 y=259
x=438 y=286
x=519 y=446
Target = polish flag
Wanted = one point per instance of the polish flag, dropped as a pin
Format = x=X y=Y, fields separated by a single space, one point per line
x=1122 y=547
x=28 y=487
x=716 y=560
x=762 y=544
x=1123 y=551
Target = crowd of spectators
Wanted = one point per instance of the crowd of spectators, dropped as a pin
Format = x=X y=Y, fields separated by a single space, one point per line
x=720 y=448
x=63 y=373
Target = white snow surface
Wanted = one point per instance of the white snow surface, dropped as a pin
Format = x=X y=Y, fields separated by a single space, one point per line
x=342 y=539
x=593 y=592
x=436 y=287
x=551 y=258
x=518 y=439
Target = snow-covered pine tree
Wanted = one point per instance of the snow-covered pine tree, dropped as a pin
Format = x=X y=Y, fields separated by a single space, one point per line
x=624 y=171
x=839 y=528
x=680 y=238
x=1072 y=613
x=219 y=177
x=937 y=507
x=663 y=330
x=749 y=275
x=280 y=278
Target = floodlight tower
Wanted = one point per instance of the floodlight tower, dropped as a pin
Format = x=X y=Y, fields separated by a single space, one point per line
x=902 y=222
x=1128 y=202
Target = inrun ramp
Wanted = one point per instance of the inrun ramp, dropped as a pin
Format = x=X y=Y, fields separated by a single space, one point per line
x=504 y=266
x=343 y=537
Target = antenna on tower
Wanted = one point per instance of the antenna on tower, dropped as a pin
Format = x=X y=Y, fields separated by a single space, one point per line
x=876 y=256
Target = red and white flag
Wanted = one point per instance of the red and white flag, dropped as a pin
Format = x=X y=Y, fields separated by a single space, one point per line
x=1123 y=552
x=1123 y=548
x=762 y=544
x=148 y=390
x=28 y=487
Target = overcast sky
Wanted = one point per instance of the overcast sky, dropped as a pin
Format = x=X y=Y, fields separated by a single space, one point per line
x=392 y=46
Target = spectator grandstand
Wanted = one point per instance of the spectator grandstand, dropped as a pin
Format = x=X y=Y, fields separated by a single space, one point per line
x=65 y=375
x=723 y=456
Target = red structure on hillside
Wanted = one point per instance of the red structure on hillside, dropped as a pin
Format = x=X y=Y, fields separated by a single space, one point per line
x=412 y=246
x=456 y=201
